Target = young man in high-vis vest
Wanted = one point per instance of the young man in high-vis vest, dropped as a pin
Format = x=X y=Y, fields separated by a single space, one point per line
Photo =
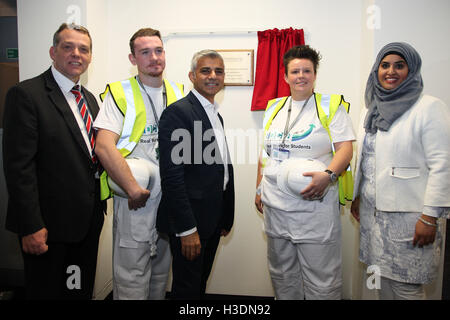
x=128 y=127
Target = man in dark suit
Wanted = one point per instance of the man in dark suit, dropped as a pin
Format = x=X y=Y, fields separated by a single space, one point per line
x=51 y=173
x=197 y=205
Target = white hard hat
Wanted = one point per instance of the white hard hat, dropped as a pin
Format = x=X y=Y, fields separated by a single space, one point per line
x=290 y=178
x=146 y=174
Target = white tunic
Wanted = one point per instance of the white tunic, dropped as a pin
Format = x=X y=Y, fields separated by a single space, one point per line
x=386 y=237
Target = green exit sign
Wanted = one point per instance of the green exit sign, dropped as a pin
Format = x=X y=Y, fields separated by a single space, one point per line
x=12 y=53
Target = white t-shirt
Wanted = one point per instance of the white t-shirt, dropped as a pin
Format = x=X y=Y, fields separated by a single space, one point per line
x=111 y=118
x=307 y=139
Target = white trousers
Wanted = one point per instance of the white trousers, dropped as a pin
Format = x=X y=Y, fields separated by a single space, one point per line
x=305 y=270
x=395 y=290
x=136 y=274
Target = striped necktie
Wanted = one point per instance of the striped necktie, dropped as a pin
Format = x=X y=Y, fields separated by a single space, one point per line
x=85 y=114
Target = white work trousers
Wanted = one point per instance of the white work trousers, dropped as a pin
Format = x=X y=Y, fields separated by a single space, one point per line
x=139 y=276
x=305 y=270
x=395 y=290
x=141 y=257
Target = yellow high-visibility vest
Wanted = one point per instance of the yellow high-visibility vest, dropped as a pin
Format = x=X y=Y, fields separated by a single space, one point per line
x=128 y=98
x=326 y=106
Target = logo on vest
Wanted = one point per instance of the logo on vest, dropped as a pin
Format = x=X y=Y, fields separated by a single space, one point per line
x=303 y=134
x=150 y=134
x=150 y=129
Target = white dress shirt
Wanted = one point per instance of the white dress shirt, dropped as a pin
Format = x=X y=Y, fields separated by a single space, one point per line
x=212 y=112
x=65 y=84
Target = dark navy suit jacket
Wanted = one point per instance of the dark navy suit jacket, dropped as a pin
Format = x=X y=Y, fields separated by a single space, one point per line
x=192 y=191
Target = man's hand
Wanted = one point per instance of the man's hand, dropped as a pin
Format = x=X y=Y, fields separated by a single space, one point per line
x=191 y=246
x=138 y=198
x=35 y=243
x=118 y=169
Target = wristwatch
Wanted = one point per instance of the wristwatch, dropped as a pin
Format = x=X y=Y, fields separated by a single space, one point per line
x=333 y=175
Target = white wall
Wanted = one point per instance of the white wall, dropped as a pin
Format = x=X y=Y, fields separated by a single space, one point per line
x=426 y=26
x=37 y=21
x=338 y=29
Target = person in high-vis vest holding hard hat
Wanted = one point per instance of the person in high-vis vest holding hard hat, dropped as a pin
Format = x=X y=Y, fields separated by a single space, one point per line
x=128 y=128
x=302 y=176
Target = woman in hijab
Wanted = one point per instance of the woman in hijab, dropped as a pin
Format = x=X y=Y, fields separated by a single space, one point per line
x=402 y=178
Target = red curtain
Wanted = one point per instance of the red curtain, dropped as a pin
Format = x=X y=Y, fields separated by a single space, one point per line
x=269 y=75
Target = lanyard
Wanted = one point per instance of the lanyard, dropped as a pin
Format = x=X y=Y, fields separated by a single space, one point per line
x=151 y=102
x=288 y=127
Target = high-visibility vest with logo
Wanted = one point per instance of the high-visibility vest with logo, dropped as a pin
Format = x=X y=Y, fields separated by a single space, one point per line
x=326 y=106
x=128 y=98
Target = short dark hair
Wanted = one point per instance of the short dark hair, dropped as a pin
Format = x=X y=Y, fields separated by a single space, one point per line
x=301 y=52
x=72 y=26
x=204 y=53
x=144 y=32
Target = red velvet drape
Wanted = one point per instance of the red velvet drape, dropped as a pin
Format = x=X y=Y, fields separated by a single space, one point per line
x=269 y=76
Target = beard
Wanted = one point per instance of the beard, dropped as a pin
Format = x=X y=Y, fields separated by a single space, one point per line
x=155 y=74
